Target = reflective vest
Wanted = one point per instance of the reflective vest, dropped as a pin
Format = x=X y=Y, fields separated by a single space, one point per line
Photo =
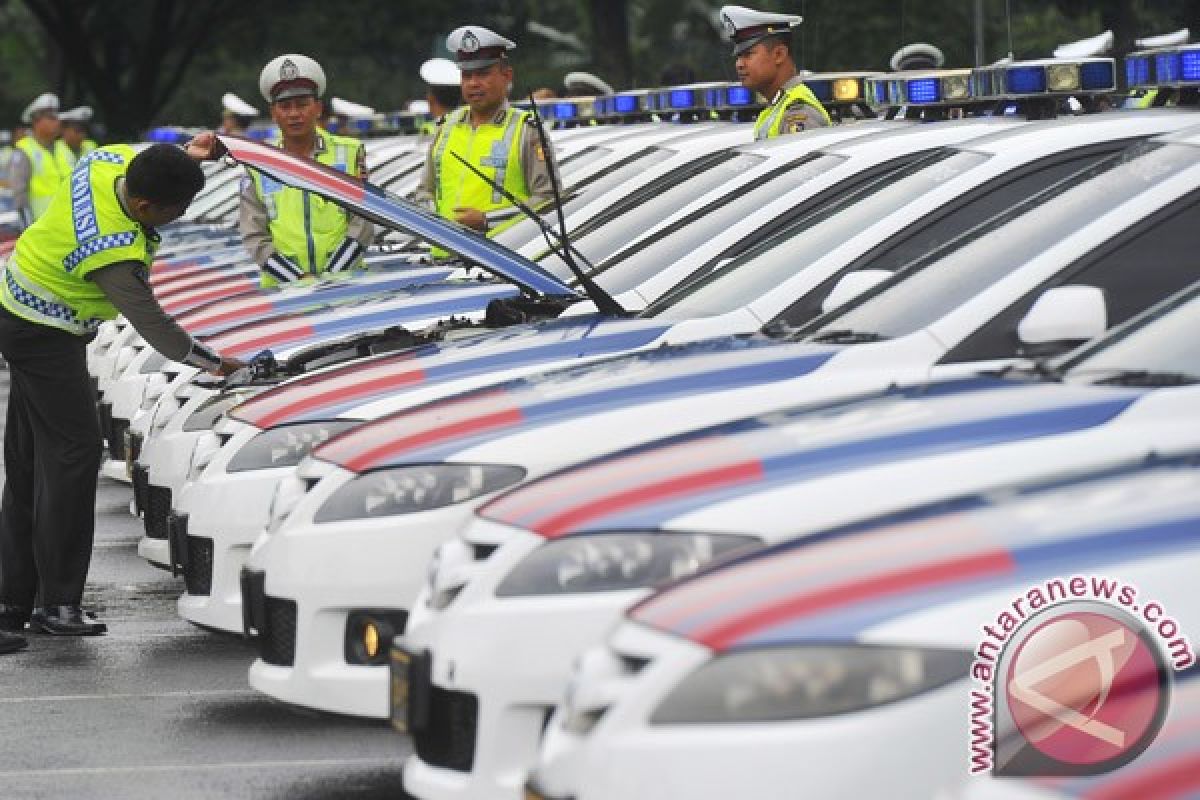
x=770 y=119
x=69 y=156
x=493 y=148
x=305 y=228
x=50 y=168
x=84 y=228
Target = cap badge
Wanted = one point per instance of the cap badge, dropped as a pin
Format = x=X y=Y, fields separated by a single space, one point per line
x=470 y=42
x=288 y=71
x=730 y=28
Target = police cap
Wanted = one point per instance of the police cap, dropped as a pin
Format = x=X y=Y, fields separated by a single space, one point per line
x=291 y=75
x=476 y=47
x=919 y=55
x=746 y=27
x=41 y=103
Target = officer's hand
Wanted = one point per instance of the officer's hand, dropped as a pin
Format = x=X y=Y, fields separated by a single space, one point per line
x=471 y=217
x=229 y=366
x=204 y=147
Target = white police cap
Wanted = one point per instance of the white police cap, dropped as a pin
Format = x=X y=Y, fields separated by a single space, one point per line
x=346 y=108
x=746 y=27
x=43 y=102
x=291 y=75
x=585 y=83
x=919 y=55
x=1181 y=36
x=1086 y=48
x=441 y=72
x=476 y=47
x=236 y=105
x=77 y=114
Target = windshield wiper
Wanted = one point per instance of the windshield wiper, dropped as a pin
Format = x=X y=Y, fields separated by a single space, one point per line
x=1041 y=369
x=846 y=336
x=1145 y=377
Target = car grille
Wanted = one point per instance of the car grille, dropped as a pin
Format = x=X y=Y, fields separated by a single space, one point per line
x=448 y=741
x=277 y=639
x=141 y=482
x=154 y=515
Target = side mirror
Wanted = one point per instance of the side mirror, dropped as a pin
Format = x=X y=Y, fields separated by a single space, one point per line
x=1062 y=318
x=853 y=284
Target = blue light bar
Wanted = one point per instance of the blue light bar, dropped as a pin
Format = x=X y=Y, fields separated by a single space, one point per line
x=362 y=125
x=923 y=90
x=1097 y=75
x=881 y=92
x=625 y=103
x=738 y=96
x=822 y=90
x=1025 y=80
x=682 y=98
x=1189 y=65
x=565 y=111
x=1137 y=70
x=1168 y=67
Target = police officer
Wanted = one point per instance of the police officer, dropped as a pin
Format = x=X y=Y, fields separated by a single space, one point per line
x=74 y=134
x=763 y=56
x=39 y=166
x=918 y=55
x=236 y=114
x=444 y=91
x=291 y=233
x=85 y=260
x=497 y=139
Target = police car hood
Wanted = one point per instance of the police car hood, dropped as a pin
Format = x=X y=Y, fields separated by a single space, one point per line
x=375 y=204
x=439 y=430
x=646 y=487
x=839 y=586
x=333 y=392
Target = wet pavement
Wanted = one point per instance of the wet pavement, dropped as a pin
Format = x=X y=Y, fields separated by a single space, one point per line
x=161 y=709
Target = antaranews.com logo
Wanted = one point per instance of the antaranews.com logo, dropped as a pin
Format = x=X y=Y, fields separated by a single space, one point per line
x=1072 y=678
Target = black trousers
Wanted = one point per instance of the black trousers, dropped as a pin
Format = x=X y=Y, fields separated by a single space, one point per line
x=52 y=453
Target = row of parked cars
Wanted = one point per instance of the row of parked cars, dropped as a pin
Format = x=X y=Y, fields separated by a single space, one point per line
x=731 y=522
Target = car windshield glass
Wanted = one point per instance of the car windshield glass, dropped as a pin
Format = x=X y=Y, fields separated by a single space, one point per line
x=656 y=201
x=585 y=192
x=910 y=301
x=753 y=274
x=1163 y=341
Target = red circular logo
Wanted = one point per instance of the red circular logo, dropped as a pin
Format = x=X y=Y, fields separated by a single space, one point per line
x=1087 y=690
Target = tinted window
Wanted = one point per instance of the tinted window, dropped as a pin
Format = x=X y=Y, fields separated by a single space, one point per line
x=1164 y=342
x=911 y=300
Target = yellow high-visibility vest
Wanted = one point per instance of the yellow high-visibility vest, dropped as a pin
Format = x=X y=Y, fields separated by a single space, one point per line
x=770 y=119
x=50 y=169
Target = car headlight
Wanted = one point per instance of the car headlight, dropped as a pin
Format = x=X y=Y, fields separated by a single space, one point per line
x=805 y=682
x=288 y=494
x=209 y=413
x=286 y=446
x=604 y=562
x=206 y=447
x=407 y=490
x=164 y=408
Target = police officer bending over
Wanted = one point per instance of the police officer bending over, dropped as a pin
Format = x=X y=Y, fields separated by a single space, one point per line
x=492 y=136
x=289 y=232
x=763 y=52
x=85 y=260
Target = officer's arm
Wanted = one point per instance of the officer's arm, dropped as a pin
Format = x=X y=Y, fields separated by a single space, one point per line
x=537 y=163
x=19 y=172
x=252 y=222
x=424 y=193
x=801 y=117
x=357 y=228
x=125 y=285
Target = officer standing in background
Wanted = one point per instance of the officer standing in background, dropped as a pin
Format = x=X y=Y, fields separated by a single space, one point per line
x=291 y=233
x=763 y=52
x=39 y=166
x=74 y=134
x=443 y=93
x=84 y=260
x=236 y=114
x=488 y=133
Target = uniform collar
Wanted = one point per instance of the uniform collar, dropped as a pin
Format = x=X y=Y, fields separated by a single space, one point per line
x=497 y=119
x=792 y=83
x=320 y=147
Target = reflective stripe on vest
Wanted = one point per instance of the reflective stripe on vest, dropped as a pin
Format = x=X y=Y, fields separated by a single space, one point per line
x=770 y=119
x=49 y=168
x=307 y=229
x=27 y=300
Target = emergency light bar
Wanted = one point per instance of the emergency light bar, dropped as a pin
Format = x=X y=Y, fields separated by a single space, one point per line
x=941 y=87
x=1044 y=78
x=839 y=88
x=1170 y=67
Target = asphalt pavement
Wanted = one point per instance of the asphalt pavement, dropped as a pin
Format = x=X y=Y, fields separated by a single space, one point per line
x=161 y=709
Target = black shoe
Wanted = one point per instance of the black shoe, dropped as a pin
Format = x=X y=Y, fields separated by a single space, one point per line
x=65 y=621
x=13 y=618
x=11 y=643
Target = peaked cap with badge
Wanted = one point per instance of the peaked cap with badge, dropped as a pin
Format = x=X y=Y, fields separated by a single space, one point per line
x=291 y=75
x=919 y=55
x=441 y=72
x=476 y=47
x=43 y=102
x=82 y=114
x=746 y=27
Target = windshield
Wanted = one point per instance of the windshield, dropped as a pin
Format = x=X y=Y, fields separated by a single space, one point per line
x=1162 y=341
x=658 y=200
x=595 y=185
x=909 y=302
x=753 y=274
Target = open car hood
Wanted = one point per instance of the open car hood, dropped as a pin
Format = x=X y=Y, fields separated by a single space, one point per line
x=370 y=202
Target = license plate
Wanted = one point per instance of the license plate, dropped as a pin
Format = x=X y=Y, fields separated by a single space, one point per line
x=411 y=685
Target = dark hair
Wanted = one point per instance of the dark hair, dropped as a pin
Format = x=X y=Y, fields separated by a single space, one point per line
x=779 y=40
x=164 y=175
x=448 y=96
